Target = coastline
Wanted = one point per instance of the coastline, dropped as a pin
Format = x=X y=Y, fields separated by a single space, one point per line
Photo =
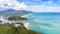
x=26 y=25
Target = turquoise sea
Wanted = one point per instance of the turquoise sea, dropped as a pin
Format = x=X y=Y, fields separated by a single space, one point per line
x=45 y=23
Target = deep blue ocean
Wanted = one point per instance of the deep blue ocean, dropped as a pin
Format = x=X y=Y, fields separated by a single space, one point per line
x=45 y=23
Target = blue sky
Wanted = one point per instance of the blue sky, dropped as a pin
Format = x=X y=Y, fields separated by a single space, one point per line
x=39 y=2
x=31 y=5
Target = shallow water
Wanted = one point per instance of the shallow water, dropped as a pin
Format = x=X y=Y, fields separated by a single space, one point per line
x=46 y=23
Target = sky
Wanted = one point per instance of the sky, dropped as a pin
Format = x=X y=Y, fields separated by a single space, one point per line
x=31 y=5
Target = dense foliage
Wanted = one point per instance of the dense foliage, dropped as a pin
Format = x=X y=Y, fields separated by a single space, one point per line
x=11 y=29
x=16 y=18
x=7 y=29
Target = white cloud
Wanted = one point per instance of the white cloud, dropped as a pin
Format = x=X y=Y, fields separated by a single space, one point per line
x=13 y=4
x=45 y=8
x=20 y=6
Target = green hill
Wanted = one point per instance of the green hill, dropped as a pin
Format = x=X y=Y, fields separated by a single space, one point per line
x=10 y=29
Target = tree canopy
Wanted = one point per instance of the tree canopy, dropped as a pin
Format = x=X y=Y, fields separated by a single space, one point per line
x=16 y=18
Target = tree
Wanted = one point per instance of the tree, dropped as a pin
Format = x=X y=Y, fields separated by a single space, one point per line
x=16 y=18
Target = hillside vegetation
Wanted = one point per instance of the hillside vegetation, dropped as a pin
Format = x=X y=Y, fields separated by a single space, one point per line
x=11 y=29
x=17 y=18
